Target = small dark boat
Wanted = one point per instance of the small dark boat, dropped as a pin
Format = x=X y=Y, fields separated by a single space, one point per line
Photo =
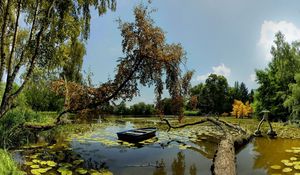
x=137 y=135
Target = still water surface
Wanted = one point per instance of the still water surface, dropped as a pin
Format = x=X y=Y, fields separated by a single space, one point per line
x=185 y=151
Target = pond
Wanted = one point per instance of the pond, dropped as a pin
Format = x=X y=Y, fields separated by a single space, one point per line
x=184 y=151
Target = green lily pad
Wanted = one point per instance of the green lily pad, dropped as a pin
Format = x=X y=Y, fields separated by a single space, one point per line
x=94 y=172
x=289 y=151
x=297 y=167
x=34 y=166
x=35 y=172
x=287 y=170
x=64 y=171
x=288 y=164
x=36 y=161
x=182 y=147
x=66 y=165
x=81 y=171
x=285 y=161
x=51 y=163
x=77 y=162
x=293 y=158
x=28 y=163
x=275 y=167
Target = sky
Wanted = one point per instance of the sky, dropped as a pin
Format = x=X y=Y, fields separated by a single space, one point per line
x=230 y=38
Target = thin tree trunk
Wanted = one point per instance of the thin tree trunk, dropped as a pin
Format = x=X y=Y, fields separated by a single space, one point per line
x=9 y=81
x=3 y=32
x=9 y=96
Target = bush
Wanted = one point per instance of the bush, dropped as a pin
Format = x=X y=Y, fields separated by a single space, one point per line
x=11 y=131
x=7 y=164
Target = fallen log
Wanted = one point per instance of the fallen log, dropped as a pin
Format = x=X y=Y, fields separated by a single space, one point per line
x=224 y=161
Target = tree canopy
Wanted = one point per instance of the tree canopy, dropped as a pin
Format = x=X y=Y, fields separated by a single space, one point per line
x=148 y=59
x=33 y=32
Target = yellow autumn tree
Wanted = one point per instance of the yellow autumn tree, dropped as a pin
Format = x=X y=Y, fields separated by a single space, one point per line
x=240 y=110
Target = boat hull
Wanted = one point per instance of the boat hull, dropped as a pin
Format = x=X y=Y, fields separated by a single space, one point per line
x=137 y=135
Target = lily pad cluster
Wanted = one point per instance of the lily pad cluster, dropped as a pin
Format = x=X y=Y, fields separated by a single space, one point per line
x=291 y=164
x=57 y=160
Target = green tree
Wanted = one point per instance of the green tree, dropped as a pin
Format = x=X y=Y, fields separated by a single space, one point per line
x=38 y=94
x=293 y=100
x=274 y=81
x=215 y=94
x=49 y=24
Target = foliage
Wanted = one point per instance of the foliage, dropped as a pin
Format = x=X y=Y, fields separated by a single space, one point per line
x=20 y=101
x=38 y=94
x=214 y=94
x=240 y=110
x=142 y=109
x=293 y=100
x=33 y=33
x=274 y=81
x=193 y=102
x=7 y=164
x=147 y=58
x=11 y=131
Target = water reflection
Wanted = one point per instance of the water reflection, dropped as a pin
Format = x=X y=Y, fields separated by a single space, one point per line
x=178 y=165
x=259 y=156
x=167 y=153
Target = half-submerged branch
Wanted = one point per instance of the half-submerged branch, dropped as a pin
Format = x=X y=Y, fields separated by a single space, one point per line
x=224 y=161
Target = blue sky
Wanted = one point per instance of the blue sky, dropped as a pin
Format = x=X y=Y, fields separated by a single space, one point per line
x=231 y=37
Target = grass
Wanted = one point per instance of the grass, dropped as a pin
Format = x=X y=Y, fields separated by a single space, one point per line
x=284 y=130
x=8 y=165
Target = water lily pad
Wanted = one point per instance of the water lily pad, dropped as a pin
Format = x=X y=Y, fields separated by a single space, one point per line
x=35 y=172
x=51 y=163
x=295 y=147
x=293 y=158
x=66 y=165
x=288 y=164
x=297 y=167
x=287 y=170
x=34 y=166
x=288 y=150
x=28 y=163
x=77 y=162
x=81 y=171
x=182 y=147
x=285 y=161
x=64 y=171
x=94 y=172
x=275 y=167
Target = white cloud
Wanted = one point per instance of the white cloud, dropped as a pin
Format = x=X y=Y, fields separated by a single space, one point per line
x=219 y=70
x=202 y=77
x=268 y=31
x=253 y=77
x=222 y=70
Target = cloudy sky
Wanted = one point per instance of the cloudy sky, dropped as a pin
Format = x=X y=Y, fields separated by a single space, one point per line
x=230 y=38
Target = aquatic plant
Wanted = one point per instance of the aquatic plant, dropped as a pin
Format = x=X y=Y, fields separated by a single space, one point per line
x=7 y=164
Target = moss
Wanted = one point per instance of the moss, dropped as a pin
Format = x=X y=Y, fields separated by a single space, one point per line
x=8 y=165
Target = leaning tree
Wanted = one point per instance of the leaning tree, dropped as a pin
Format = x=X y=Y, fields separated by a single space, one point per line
x=148 y=59
x=32 y=32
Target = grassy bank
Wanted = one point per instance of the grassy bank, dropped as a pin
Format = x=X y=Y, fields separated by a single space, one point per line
x=284 y=130
x=8 y=165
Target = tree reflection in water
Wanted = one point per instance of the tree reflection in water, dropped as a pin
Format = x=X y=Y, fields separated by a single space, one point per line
x=178 y=166
x=160 y=170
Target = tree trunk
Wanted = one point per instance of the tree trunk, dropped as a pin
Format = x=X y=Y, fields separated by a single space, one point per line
x=224 y=160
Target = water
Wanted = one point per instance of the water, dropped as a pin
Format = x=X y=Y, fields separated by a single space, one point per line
x=259 y=156
x=183 y=151
x=176 y=152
